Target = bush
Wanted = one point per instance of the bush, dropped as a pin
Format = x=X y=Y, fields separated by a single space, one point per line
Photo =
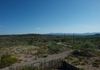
x=27 y=68
x=88 y=45
x=54 y=48
x=7 y=60
x=96 y=63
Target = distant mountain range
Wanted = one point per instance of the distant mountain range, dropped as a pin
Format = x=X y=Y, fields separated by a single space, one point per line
x=73 y=33
x=57 y=34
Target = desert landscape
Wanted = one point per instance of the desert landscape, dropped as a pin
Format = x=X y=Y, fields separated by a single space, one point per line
x=40 y=52
x=49 y=34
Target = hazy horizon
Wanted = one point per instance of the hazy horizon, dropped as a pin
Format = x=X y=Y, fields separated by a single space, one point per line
x=51 y=33
x=49 y=16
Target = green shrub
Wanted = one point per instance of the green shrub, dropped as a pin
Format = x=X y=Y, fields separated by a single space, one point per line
x=82 y=53
x=54 y=48
x=81 y=69
x=27 y=68
x=96 y=63
x=7 y=60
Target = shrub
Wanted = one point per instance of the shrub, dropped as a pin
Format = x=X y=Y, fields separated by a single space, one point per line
x=83 y=53
x=54 y=48
x=27 y=68
x=96 y=63
x=7 y=60
x=88 y=45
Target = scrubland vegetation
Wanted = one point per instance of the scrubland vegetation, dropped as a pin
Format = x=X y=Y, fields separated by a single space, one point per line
x=26 y=48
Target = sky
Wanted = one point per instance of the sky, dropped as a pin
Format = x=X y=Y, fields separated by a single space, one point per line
x=49 y=16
